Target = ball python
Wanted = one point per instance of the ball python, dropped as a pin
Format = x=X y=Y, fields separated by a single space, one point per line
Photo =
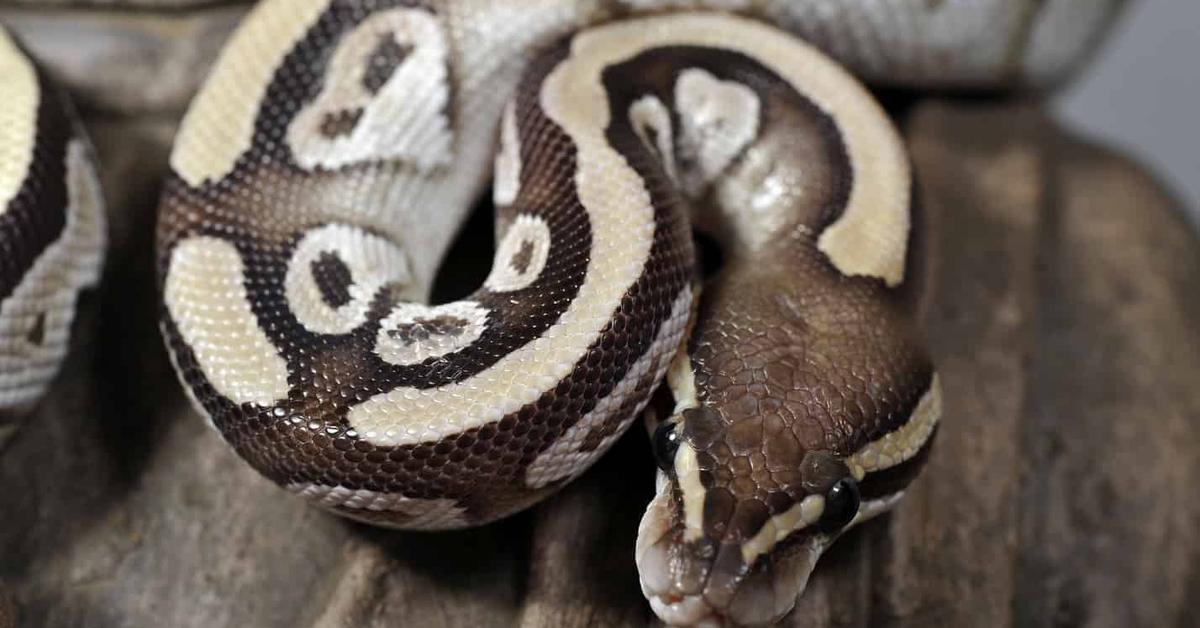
x=322 y=170
x=51 y=230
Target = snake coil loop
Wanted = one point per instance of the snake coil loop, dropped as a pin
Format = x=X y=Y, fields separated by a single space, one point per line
x=322 y=170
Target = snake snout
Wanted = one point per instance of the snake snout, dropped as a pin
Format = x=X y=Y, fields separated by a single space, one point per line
x=700 y=582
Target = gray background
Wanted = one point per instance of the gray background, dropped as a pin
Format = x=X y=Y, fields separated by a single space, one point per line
x=1142 y=93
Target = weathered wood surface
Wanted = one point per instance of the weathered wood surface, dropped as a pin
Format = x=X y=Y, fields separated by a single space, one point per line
x=123 y=62
x=1061 y=492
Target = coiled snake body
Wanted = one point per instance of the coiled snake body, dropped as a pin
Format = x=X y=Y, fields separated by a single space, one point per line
x=321 y=172
x=51 y=230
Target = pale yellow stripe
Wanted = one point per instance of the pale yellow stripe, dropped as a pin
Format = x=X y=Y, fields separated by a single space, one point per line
x=205 y=293
x=219 y=125
x=18 y=118
x=901 y=445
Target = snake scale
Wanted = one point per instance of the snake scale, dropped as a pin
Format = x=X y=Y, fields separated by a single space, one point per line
x=52 y=230
x=321 y=173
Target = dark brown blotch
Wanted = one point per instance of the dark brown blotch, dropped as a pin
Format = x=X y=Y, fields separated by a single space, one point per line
x=523 y=257
x=340 y=123
x=333 y=279
x=383 y=61
x=718 y=508
x=37 y=333
x=749 y=518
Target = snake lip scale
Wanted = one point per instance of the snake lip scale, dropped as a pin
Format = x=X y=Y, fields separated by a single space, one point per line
x=322 y=170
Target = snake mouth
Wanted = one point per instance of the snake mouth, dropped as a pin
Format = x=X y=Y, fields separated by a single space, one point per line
x=762 y=597
x=691 y=584
x=691 y=610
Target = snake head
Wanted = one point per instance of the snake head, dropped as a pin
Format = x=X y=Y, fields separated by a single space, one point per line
x=732 y=539
x=707 y=556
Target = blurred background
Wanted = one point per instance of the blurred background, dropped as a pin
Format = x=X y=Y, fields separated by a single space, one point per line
x=1142 y=93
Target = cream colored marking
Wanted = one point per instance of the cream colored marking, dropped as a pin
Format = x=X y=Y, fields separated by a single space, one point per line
x=507 y=167
x=622 y=223
x=406 y=120
x=373 y=262
x=619 y=207
x=682 y=381
x=756 y=200
x=564 y=458
x=205 y=293
x=187 y=390
x=902 y=444
x=875 y=507
x=18 y=118
x=219 y=125
x=687 y=473
x=648 y=113
x=50 y=289
x=892 y=449
x=524 y=230
x=656 y=522
x=871 y=236
x=718 y=119
x=422 y=514
x=779 y=527
x=694 y=610
x=396 y=350
x=805 y=514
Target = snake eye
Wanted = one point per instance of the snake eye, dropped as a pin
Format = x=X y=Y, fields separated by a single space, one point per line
x=665 y=443
x=841 y=504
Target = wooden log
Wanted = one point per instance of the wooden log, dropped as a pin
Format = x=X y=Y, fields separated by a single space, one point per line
x=1063 y=312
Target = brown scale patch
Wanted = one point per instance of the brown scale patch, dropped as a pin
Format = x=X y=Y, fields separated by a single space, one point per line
x=520 y=262
x=340 y=123
x=422 y=328
x=37 y=334
x=333 y=279
x=383 y=62
x=306 y=439
x=628 y=408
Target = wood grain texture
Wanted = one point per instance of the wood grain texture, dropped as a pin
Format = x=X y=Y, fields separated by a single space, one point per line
x=1060 y=493
x=122 y=62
